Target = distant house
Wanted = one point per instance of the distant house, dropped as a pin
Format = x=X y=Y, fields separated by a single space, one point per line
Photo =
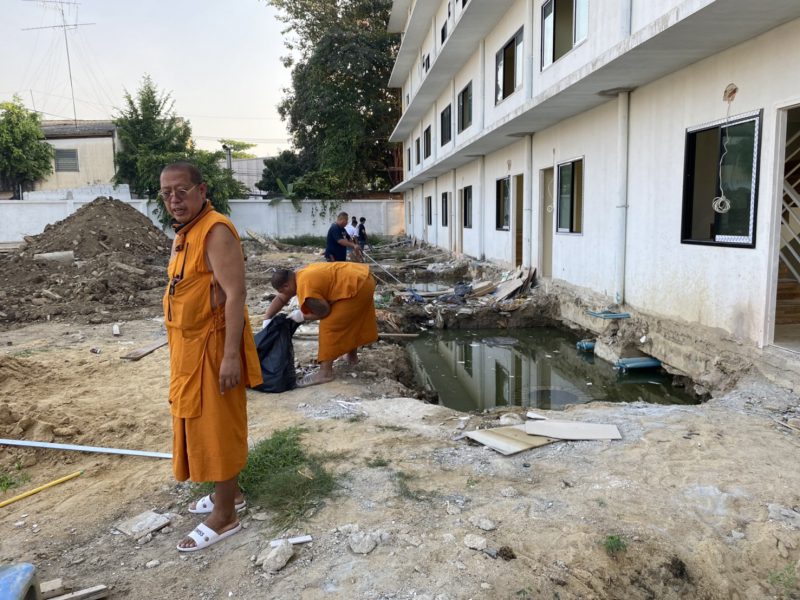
x=247 y=171
x=84 y=153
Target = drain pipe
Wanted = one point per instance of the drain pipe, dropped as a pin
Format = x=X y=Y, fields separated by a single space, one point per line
x=623 y=123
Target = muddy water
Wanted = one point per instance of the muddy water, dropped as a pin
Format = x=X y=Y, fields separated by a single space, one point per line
x=531 y=368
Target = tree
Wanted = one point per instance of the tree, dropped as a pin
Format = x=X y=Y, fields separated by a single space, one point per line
x=24 y=157
x=152 y=136
x=286 y=166
x=339 y=112
x=238 y=148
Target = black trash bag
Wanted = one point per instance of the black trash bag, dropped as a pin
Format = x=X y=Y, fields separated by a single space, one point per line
x=276 y=354
x=462 y=289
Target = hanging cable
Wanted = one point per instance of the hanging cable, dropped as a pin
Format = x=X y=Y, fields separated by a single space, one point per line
x=721 y=204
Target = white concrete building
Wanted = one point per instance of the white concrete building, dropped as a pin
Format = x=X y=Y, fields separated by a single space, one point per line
x=645 y=151
x=84 y=154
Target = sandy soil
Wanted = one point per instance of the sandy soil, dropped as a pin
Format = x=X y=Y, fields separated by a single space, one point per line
x=707 y=497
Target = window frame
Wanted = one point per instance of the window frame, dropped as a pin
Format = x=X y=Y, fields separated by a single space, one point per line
x=429 y=210
x=687 y=203
x=427 y=145
x=557 y=197
x=444 y=33
x=74 y=156
x=445 y=202
x=464 y=109
x=446 y=125
x=417 y=151
x=466 y=215
x=517 y=45
x=507 y=203
x=408 y=153
x=544 y=64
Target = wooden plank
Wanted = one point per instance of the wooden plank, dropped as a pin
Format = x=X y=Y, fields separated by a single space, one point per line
x=142 y=352
x=507 y=288
x=93 y=593
x=508 y=440
x=573 y=430
x=482 y=288
x=52 y=588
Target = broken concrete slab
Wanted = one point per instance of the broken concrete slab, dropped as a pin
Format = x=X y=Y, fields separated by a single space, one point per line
x=508 y=440
x=140 y=525
x=572 y=430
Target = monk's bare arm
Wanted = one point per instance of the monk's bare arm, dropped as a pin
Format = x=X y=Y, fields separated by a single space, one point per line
x=225 y=260
x=319 y=309
x=278 y=302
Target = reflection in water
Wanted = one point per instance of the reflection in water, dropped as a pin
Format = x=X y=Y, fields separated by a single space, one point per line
x=533 y=368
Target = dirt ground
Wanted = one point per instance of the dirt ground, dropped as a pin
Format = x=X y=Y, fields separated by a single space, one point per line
x=706 y=498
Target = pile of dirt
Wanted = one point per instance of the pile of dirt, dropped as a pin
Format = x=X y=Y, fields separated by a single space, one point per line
x=118 y=272
x=104 y=225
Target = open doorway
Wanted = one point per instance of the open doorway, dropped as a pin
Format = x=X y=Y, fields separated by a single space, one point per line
x=519 y=199
x=546 y=194
x=787 y=305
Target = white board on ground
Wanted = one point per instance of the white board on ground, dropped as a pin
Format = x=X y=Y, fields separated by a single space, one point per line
x=573 y=430
x=532 y=415
x=508 y=440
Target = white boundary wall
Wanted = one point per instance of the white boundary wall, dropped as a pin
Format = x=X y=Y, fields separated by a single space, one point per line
x=19 y=218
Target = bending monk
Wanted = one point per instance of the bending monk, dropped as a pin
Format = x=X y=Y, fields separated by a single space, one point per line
x=212 y=353
x=340 y=295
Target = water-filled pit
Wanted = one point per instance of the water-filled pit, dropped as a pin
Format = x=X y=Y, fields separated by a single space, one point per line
x=532 y=368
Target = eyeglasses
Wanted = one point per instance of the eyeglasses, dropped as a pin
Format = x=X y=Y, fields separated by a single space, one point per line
x=179 y=192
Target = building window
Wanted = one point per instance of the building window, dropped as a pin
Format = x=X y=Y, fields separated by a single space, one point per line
x=465 y=108
x=467 y=208
x=508 y=68
x=503 y=204
x=720 y=190
x=569 y=216
x=446 y=125
x=565 y=23
x=408 y=160
x=408 y=211
x=444 y=209
x=464 y=3
x=416 y=150
x=444 y=32
x=426 y=62
x=427 y=141
x=66 y=160
x=429 y=210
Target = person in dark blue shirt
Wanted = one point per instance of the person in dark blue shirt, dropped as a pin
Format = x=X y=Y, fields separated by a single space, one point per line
x=338 y=241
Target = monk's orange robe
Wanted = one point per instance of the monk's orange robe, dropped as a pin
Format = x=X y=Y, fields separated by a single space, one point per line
x=349 y=289
x=209 y=440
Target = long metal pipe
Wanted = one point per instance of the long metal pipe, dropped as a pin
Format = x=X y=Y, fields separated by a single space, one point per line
x=52 y=446
x=623 y=122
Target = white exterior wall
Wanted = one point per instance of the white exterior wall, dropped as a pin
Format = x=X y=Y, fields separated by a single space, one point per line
x=95 y=163
x=721 y=287
x=644 y=12
x=499 y=244
x=444 y=184
x=584 y=259
x=468 y=175
x=19 y=218
x=513 y=20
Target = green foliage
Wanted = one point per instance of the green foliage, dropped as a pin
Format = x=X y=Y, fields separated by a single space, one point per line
x=285 y=167
x=339 y=111
x=283 y=478
x=304 y=240
x=401 y=479
x=13 y=479
x=784 y=580
x=376 y=462
x=238 y=148
x=24 y=157
x=614 y=545
x=152 y=136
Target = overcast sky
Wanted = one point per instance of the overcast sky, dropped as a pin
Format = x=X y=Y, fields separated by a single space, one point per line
x=220 y=59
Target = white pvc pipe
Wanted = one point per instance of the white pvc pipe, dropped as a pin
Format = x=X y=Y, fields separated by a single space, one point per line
x=623 y=114
x=97 y=449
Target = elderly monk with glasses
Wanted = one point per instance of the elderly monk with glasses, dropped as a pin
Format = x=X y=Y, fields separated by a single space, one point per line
x=212 y=353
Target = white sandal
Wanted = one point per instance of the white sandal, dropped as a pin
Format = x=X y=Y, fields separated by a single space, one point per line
x=205 y=505
x=203 y=537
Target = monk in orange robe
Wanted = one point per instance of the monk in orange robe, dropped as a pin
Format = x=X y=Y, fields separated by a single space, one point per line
x=340 y=296
x=212 y=353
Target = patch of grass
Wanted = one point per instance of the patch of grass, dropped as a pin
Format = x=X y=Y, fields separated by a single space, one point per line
x=601 y=503
x=356 y=418
x=614 y=545
x=13 y=479
x=377 y=462
x=785 y=580
x=304 y=240
x=401 y=479
x=472 y=481
x=284 y=479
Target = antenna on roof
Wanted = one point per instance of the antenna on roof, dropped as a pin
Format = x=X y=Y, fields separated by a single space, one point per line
x=64 y=26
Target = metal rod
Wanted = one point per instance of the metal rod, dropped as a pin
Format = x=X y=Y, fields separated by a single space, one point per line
x=381 y=267
x=98 y=449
